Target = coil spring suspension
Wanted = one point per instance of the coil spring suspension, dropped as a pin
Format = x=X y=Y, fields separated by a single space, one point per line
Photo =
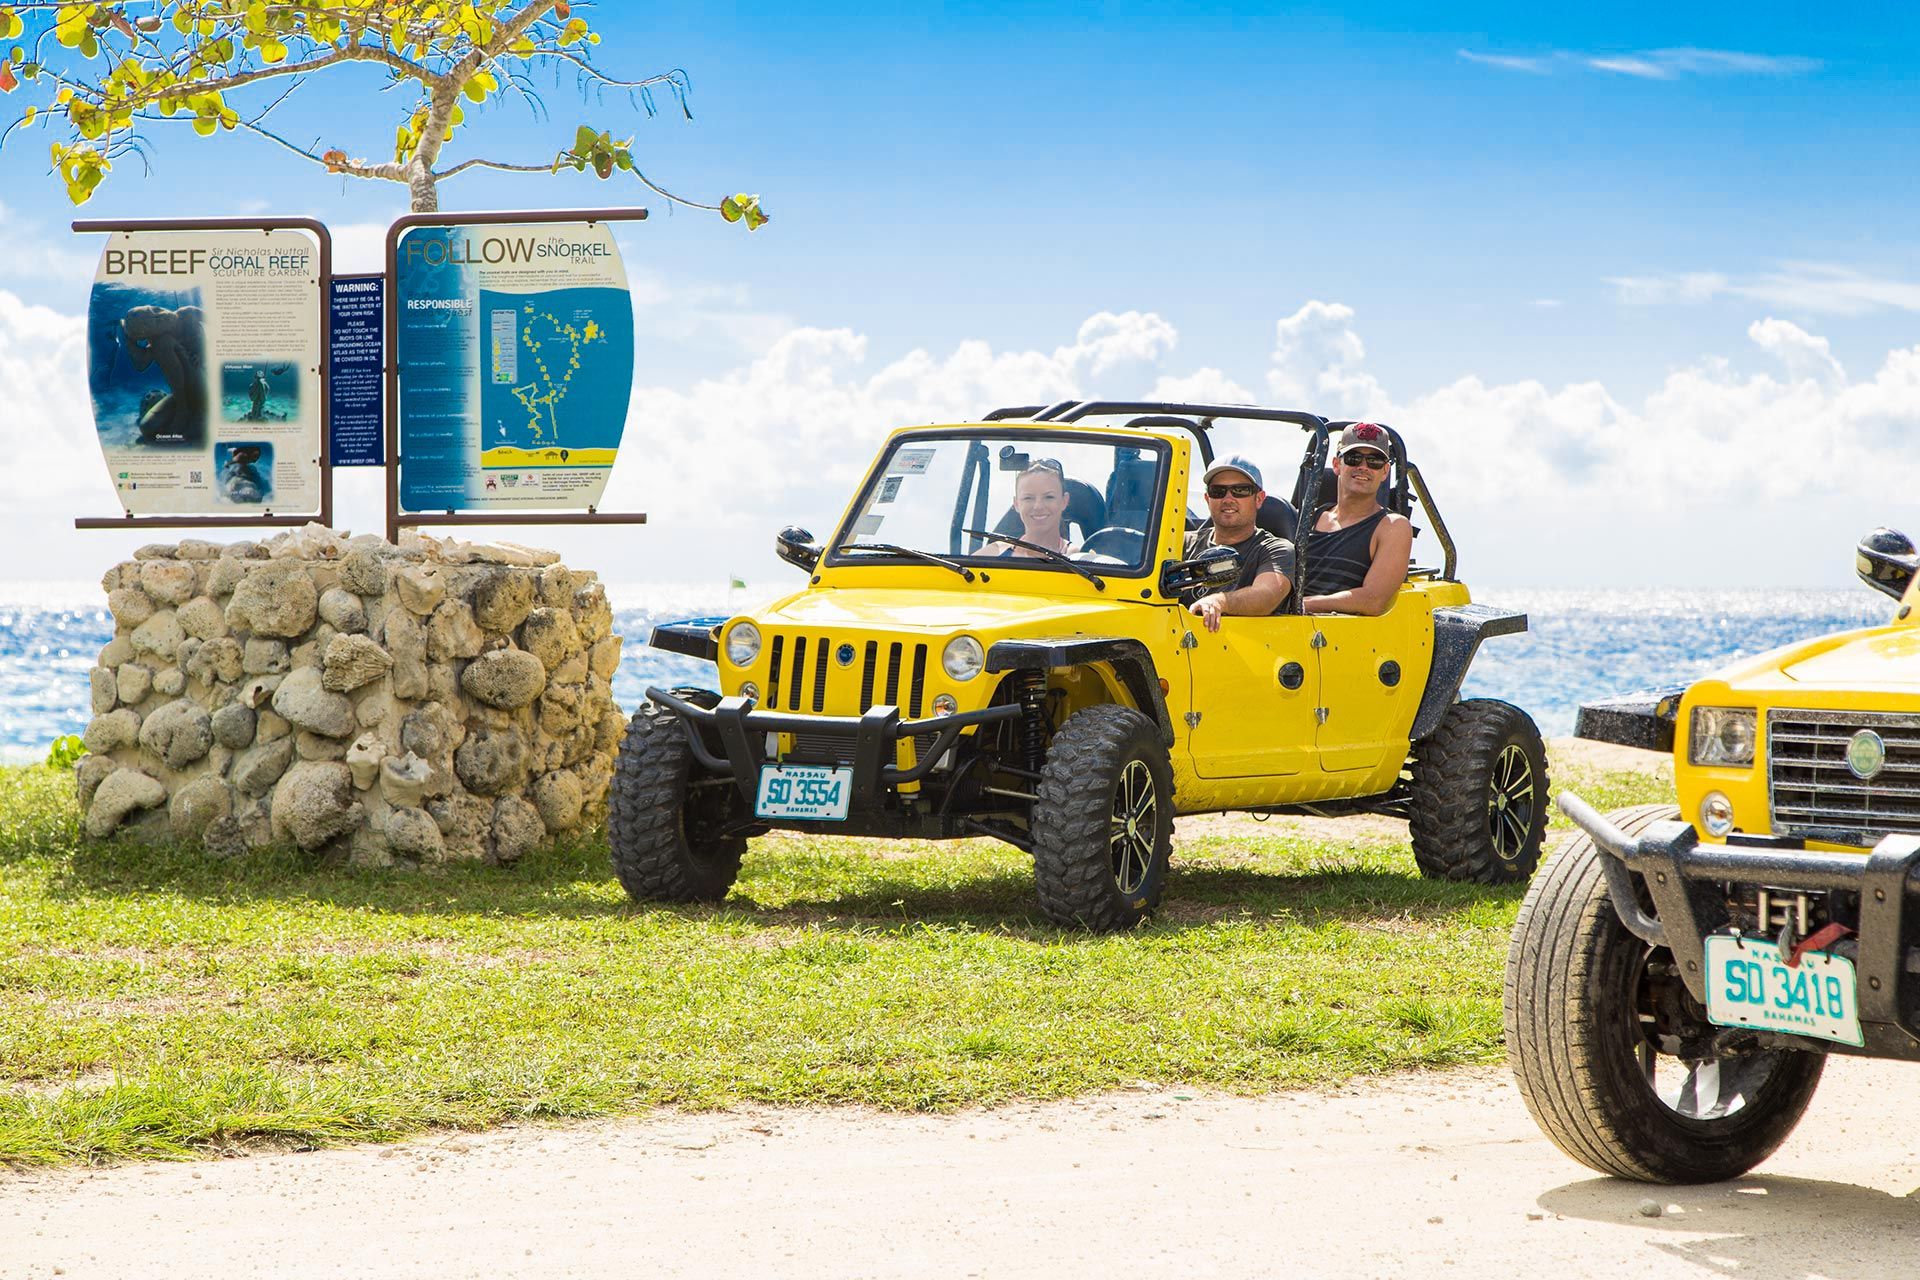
x=1032 y=693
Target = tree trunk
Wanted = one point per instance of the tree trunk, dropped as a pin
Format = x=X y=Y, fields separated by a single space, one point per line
x=425 y=193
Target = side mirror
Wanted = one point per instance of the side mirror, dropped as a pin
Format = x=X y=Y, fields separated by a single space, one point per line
x=1886 y=560
x=1212 y=569
x=796 y=546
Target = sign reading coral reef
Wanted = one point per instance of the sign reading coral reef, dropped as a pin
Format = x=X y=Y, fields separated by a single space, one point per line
x=515 y=351
x=203 y=358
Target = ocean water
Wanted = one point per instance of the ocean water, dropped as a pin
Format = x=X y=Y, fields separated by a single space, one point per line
x=1581 y=644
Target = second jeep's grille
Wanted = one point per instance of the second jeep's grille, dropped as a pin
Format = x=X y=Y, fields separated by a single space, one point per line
x=1814 y=795
x=804 y=674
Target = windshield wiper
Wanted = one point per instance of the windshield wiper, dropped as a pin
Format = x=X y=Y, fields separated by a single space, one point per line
x=1048 y=552
x=894 y=548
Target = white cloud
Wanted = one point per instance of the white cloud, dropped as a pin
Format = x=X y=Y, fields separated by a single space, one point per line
x=720 y=462
x=1533 y=66
x=1654 y=64
x=1817 y=287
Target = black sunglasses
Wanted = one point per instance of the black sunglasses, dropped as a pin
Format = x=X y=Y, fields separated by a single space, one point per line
x=1364 y=458
x=1237 y=490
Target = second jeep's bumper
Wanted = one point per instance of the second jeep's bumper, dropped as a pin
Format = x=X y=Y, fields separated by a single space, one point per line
x=1687 y=881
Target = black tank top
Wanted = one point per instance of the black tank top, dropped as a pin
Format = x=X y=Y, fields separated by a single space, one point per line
x=1338 y=559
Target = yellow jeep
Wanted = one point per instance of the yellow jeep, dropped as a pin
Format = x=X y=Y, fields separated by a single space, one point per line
x=930 y=682
x=1678 y=975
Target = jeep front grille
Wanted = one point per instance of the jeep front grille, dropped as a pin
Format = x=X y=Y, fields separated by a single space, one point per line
x=804 y=673
x=1814 y=795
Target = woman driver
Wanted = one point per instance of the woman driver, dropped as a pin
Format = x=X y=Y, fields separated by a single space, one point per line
x=1040 y=500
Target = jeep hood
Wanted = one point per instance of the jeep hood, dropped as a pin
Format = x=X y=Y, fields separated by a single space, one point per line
x=989 y=613
x=1888 y=656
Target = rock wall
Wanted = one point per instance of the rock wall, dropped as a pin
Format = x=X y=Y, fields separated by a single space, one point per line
x=429 y=703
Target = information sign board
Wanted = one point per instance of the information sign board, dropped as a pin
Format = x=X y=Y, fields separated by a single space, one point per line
x=356 y=394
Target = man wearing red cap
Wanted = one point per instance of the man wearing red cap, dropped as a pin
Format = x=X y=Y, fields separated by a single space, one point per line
x=1357 y=551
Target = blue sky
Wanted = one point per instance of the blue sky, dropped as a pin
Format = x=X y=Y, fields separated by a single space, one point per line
x=1556 y=245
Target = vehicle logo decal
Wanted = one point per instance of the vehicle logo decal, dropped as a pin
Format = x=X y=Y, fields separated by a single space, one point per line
x=844 y=655
x=1866 y=754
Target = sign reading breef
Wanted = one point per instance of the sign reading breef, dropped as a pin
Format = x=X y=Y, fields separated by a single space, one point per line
x=515 y=351
x=203 y=357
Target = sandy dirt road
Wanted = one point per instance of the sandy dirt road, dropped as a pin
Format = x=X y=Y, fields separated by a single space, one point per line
x=1410 y=1176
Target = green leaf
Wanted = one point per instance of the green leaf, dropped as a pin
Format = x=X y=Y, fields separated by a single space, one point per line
x=10 y=24
x=730 y=209
x=582 y=140
x=272 y=51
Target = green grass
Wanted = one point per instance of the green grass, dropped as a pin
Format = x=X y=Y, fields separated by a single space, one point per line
x=156 y=1004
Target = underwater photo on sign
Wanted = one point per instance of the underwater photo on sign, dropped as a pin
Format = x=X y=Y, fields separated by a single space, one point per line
x=147 y=351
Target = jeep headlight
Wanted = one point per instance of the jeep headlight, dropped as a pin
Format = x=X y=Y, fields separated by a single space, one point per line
x=963 y=658
x=743 y=644
x=1722 y=735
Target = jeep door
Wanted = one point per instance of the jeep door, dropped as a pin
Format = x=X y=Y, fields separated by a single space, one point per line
x=1254 y=686
x=1372 y=672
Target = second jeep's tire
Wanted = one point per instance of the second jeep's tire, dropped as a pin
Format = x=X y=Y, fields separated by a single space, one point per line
x=1479 y=802
x=1594 y=1017
x=661 y=835
x=1103 y=820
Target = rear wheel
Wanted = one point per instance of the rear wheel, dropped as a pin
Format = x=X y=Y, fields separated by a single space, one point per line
x=1614 y=1057
x=1479 y=803
x=1103 y=821
x=663 y=834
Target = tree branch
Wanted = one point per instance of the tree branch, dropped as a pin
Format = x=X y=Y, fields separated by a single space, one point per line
x=481 y=163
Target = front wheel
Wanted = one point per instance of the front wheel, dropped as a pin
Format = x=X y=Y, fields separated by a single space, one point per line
x=1615 y=1058
x=662 y=833
x=1103 y=821
x=1479 y=802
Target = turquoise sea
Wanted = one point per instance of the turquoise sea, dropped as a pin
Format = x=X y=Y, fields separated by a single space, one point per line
x=1581 y=644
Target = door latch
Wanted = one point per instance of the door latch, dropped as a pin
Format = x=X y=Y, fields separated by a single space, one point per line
x=1193 y=719
x=1319 y=715
x=1188 y=640
x=1319 y=640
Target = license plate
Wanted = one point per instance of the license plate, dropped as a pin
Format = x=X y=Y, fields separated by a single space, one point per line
x=803 y=791
x=1749 y=986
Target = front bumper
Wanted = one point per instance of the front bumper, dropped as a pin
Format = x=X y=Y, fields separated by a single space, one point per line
x=1689 y=884
x=871 y=739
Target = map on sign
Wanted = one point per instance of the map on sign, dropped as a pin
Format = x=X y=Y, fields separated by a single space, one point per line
x=555 y=389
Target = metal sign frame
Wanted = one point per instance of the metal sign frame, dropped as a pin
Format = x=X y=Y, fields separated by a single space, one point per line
x=266 y=519
x=398 y=519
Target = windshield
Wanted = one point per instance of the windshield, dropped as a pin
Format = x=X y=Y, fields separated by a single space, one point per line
x=978 y=497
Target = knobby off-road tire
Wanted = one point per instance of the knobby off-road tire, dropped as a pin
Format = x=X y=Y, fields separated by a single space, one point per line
x=660 y=833
x=1479 y=803
x=1582 y=1001
x=1103 y=822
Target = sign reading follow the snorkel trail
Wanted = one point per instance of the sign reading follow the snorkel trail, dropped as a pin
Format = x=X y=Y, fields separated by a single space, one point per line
x=514 y=343
x=203 y=357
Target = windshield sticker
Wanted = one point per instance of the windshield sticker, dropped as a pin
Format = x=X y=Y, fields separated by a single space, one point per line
x=889 y=490
x=867 y=526
x=910 y=462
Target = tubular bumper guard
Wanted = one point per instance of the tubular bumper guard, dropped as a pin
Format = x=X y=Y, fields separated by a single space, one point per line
x=1684 y=877
x=742 y=733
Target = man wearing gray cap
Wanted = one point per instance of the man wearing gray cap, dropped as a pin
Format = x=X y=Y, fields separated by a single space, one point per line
x=1234 y=494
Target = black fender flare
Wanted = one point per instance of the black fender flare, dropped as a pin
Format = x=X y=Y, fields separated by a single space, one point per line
x=1130 y=658
x=696 y=637
x=1457 y=633
x=1645 y=720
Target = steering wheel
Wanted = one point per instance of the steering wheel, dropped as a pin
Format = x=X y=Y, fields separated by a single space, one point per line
x=1118 y=541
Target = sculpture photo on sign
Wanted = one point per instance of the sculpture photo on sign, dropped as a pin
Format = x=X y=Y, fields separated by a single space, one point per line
x=203 y=357
x=515 y=345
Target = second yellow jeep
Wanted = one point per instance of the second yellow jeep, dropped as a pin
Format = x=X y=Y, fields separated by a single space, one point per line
x=927 y=682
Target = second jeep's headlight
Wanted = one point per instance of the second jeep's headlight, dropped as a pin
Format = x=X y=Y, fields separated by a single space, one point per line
x=963 y=658
x=1722 y=735
x=743 y=644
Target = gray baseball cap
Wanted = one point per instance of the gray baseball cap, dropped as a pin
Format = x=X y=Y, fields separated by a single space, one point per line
x=1234 y=463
